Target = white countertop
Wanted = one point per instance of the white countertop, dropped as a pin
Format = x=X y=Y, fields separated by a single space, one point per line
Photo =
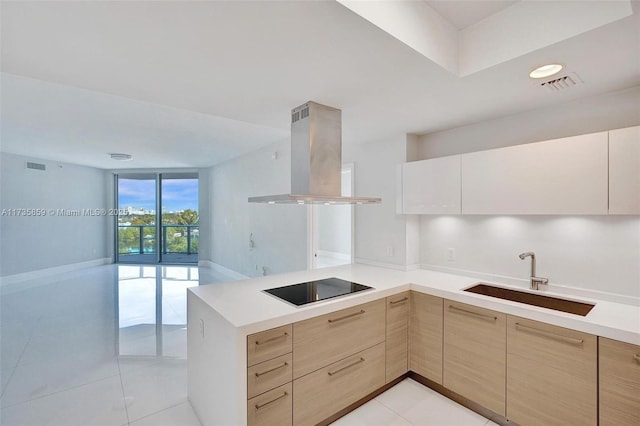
x=244 y=305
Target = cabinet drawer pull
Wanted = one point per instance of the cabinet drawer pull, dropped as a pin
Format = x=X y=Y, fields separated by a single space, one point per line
x=551 y=335
x=404 y=299
x=331 y=373
x=331 y=321
x=259 y=406
x=284 y=364
x=636 y=357
x=271 y=339
x=474 y=314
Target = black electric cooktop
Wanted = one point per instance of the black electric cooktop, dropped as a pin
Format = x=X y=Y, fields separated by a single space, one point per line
x=313 y=291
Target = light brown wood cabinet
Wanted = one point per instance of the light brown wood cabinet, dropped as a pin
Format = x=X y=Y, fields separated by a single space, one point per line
x=336 y=360
x=324 y=392
x=425 y=336
x=551 y=374
x=530 y=372
x=328 y=338
x=269 y=374
x=269 y=344
x=619 y=370
x=397 y=335
x=271 y=408
x=474 y=354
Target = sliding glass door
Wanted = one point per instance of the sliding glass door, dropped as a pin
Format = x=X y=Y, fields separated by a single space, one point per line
x=180 y=231
x=159 y=218
x=136 y=229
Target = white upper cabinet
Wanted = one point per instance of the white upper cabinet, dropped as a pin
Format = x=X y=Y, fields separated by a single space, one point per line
x=431 y=186
x=561 y=176
x=624 y=171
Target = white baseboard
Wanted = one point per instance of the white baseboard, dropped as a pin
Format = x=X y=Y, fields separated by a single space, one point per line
x=26 y=280
x=223 y=270
x=43 y=273
x=387 y=265
x=334 y=255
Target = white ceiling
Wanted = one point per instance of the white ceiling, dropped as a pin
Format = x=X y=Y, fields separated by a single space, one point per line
x=464 y=13
x=51 y=121
x=191 y=84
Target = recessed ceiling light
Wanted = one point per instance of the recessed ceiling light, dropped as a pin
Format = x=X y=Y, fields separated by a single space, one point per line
x=545 y=71
x=120 y=156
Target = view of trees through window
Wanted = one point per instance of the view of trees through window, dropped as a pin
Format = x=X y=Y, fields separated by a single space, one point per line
x=137 y=227
x=175 y=236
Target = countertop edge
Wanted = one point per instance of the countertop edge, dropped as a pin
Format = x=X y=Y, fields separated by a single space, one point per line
x=390 y=282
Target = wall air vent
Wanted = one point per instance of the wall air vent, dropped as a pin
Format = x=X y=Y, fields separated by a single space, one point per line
x=563 y=82
x=36 y=166
x=299 y=115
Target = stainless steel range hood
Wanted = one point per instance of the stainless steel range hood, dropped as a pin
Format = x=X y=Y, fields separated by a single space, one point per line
x=316 y=159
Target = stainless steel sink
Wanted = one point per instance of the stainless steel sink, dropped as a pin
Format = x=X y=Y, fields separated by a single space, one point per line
x=555 y=303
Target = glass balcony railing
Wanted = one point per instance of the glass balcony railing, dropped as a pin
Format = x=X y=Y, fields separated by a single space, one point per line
x=141 y=239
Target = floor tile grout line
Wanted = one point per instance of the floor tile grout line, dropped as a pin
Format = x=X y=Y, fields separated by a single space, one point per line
x=13 y=370
x=155 y=364
x=160 y=411
x=60 y=390
x=390 y=408
x=24 y=349
x=124 y=398
x=427 y=397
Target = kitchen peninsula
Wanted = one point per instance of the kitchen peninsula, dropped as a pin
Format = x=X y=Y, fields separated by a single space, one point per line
x=222 y=362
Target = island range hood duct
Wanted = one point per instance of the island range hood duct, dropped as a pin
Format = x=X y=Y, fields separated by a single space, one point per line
x=316 y=159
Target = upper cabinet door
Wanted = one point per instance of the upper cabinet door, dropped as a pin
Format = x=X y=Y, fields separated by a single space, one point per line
x=624 y=171
x=431 y=186
x=561 y=176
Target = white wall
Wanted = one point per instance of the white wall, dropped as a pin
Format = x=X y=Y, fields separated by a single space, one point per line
x=381 y=233
x=597 y=252
x=595 y=114
x=334 y=223
x=34 y=243
x=204 y=209
x=592 y=252
x=279 y=231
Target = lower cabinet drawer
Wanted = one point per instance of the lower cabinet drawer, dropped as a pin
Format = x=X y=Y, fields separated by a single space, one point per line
x=269 y=344
x=320 y=394
x=269 y=374
x=271 y=408
x=319 y=341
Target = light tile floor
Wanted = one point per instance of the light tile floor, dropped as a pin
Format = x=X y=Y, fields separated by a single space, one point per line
x=91 y=348
x=410 y=403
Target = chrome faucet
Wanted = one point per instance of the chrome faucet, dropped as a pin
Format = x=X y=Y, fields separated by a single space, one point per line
x=535 y=281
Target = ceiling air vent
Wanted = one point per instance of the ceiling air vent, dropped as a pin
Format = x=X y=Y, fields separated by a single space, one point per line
x=36 y=166
x=563 y=82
